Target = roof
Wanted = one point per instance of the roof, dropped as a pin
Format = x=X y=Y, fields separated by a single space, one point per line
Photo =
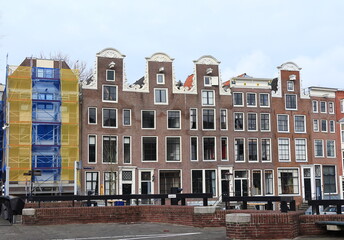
x=189 y=81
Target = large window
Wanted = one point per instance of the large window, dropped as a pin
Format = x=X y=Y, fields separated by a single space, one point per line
x=209 y=153
x=269 y=182
x=173 y=149
x=283 y=150
x=194 y=148
x=126 y=117
x=149 y=149
x=251 y=121
x=290 y=102
x=300 y=149
x=160 y=96
x=110 y=183
x=239 y=150
x=330 y=148
x=126 y=150
x=323 y=107
x=208 y=98
x=109 y=117
x=239 y=121
x=318 y=148
x=329 y=175
x=92 y=150
x=266 y=149
x=264 y=100
x=238 y=99
x=193 y=118
x=299 y=122
x=109 y=93
x=253 y=150
x=251 y=99
x=223 y=119
x=283 y=123
x=204 y=181
x=224 y=148
x=92 y=115
x=148 y=119
x=288 y=181
x=92 y=182
x=209 y=119
x=315 y=106
x=256 y=182
x=109 y=149
x=110 y=75
x=173 y=119
x=265 y=122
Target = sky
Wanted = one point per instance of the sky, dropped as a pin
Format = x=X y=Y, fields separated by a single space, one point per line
x=247 y=36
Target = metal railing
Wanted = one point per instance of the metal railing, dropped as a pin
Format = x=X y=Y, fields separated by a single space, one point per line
x=325 y=203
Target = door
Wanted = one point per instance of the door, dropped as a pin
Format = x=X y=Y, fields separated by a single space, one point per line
x=307 y=183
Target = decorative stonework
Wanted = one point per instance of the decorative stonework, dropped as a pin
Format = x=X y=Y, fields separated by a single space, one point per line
x=91 y=83
x=160 y=57
x=207 y=60
x=110 y=53
x=289 y=66
x=136 y=87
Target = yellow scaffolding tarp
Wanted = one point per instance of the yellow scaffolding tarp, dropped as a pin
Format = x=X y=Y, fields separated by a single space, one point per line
x=19 y=109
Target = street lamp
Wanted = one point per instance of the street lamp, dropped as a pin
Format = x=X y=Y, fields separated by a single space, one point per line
x=228 y=176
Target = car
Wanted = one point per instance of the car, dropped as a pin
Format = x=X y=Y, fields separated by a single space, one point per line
x=330 y=210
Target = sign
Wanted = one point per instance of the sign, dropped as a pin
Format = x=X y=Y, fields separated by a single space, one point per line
x=172 y=195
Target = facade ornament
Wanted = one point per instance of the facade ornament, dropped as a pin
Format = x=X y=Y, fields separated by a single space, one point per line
x=207 y=60
x=160 y=57
x=289 y=66
x=110 y=53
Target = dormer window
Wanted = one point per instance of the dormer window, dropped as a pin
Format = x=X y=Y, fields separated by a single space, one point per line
x=207 y=81
x=110 y=75
x=290 y=85
x=160 y=78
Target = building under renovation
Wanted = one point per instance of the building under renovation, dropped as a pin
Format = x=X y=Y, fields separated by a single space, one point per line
x=41 y=128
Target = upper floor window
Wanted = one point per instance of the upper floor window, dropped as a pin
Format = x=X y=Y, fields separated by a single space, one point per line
x=264 y=100
x=283 y=123
x=315 y=106
x=315 y=125
x=149 y=149
x=318 y=148
x=173 y=151
x=239 y=150
x=332 y=126
x=208 y=119
x=252 y=149
x=290 y=85
x=173 y=119
x=109 y=93
x=284 y=149
x=109 y=117
x=193 y=118
x=109 y=149
x=207 y=81
x=342 y=105
x=301 y=150
x=238 y=99
x=160 y=78
x=160 y=96
x=331 y=107
x=223 y=119
x=324 y=125
x=290 y=102
x=251 y=121
x=299 y=122
x=208 y=98
x=330 y=148
x=148 y=119
x=265 y=122
x=92 y=115
x=126 y=117
x=251 y=99
x=323 y=107
x=209 y=149
x=110 y=75
x=239 y=121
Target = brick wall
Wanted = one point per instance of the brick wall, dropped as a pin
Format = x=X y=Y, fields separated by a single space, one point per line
x=309 y=227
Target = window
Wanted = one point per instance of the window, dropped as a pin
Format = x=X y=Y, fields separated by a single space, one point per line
x=223 y=119
x=109 y=93
x=224 y=148
x=342 y=105
x=208 y=98
x=330 y=149
x=109 y=149
x=160 y=78
x=238 y=121
x=324 y=125
x=148 y=119
x=299 y=122
x=92 y=139
x=110 y=75
x=290 y=103
x=332 y=126
x=251 y=99
x=238 y=99
x=266 y=149
x=160 y=96
x=92 y=115
x=283 y=123
x=283 y=150
x=269 y=182
x=315 y=125
x=330 y=107
x=315 y=106
x=126 y=117
x=290 y=85
x=264 y=100
x=126 y=150
x=109 y=183
x=209 y=149
x=323 y=107
x=253 y=150
x=239 y=151
x=318 y=148
x=256 y=183
x=109 y=117
x=329 y=175
x=92 y=182
x=197 y=181
x=240 y=183
x=204 y=181
x=207 y=81
x=265 y=122
x=149 y=149
x=193 y=118
x=288 y=181
x=173 y=149
x=251 y=121
x=173 y=119
x=209 y=119
x=342 y=132
x=300 y=150
x=194 y=148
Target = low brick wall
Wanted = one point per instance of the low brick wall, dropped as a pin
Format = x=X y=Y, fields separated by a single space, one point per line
x=308 y=224
x=54 y=204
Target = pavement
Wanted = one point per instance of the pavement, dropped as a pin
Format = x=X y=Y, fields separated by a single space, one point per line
x=133 y=231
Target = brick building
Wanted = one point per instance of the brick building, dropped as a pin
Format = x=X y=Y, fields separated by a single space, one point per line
x=246 y=136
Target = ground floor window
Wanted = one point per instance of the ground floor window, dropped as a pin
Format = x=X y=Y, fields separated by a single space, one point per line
x=204 y=181
x=257 y=182
x=110 y=183
x=240 y=183
x=169 y=179
x=329 y=178
x=269 y=182
x=288 y=181
x=92 y=182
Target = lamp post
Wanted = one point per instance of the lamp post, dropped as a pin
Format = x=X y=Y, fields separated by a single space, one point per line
x=228 y=176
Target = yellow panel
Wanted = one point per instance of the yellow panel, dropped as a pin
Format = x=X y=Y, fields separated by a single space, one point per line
x=20 y=111
x=70 y=135
x=69 y=155
x=70 y=112
x=19 y=162
x=20 y=134
x=69 y=85
x=19 y=84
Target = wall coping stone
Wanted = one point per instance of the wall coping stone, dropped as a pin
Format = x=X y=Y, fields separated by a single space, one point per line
x=205 y=210
x=29 y=212
x=238 y=218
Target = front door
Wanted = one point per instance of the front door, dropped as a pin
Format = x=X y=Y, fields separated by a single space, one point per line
x=307 y=183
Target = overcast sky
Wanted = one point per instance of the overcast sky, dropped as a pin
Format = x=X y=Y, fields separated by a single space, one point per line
x=247 y=36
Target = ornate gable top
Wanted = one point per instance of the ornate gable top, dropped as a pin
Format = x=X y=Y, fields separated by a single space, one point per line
x=289 y=66
x=110 y=53
x=160 y=57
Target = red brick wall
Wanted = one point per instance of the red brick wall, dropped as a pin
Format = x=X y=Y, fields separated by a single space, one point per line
x=309 y=227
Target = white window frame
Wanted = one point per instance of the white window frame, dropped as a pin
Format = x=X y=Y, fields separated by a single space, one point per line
x=248 y=150
x=86 y=190
x=215 y=149
x=321 y=121
x=197 y=155
x=334 y=148
x=306 y=150
x=226 y=119
x=227 y=152
x=205 y=129
x=261 y=149
x=331 y=107
x=206 y=91
x=114 y=75
x=154 y=119
x=180 y=149
x=180 y=120
x=296 y=104
x=116 y=181
x=316 y=105
x=278 y=148
x=292 y=84
x=255 y=97
x=262 y=106
x=324 y=105
x=204 y=180
x=88 y=116
x=123 y=117
x=88 y=148
x=260 y=121
x=110 y=101
x=117 y=158
x=273 y=185
x=242 y=99
x=243 y=121
x=166 y=92
x=315 y=148
x=157 y=149
x=196 y=118
x=332 y=123
x=130 y=149
x=279 y=170
x=317 y=124
x=204 y=81
x=244 y=142
x=261 y=182
x=254 y=130
x=103 y=117
x=288 y=124
x=157 y=78
x=304 y=123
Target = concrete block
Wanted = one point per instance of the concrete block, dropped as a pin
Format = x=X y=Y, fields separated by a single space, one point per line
x=204 y=210
x=29 y=212
x=238 y=218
